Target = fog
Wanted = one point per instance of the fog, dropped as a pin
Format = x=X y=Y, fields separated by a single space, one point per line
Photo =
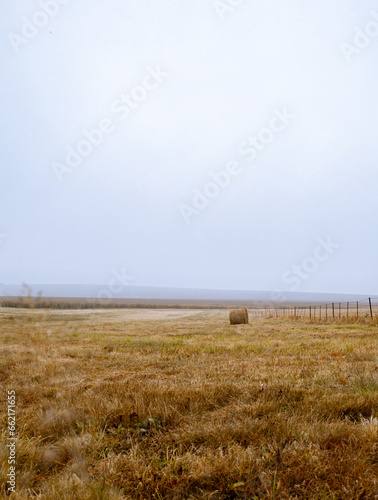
x=206 y=144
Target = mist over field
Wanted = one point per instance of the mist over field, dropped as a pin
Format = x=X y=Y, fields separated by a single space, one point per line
x=188 y=271
x=161 y=293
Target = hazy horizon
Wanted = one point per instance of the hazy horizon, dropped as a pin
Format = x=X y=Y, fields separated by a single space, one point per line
x=111 y=291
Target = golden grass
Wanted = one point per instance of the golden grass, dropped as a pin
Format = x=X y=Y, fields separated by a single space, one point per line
x=190 y=407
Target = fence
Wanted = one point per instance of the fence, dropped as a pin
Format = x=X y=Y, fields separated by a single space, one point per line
x=353 y=310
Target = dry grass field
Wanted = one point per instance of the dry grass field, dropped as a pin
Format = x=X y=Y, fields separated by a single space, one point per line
x=182 y=405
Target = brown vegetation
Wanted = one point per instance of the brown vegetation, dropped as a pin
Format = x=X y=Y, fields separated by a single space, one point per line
x=190 y=408
x=239 y=316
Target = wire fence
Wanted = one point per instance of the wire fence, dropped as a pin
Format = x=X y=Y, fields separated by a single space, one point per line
x=332 y=311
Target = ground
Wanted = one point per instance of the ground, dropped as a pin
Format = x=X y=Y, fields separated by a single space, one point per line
x=179 y=404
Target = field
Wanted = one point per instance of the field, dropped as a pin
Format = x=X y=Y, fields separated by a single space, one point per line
x=178 y=404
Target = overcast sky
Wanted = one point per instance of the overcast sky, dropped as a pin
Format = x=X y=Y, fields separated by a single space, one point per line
x=190 y=143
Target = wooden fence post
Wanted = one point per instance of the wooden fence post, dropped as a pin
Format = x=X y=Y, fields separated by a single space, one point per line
x=371 y=309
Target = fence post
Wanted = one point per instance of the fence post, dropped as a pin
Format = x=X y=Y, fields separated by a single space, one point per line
x=371 y=309
x=333 y=310
x=310 y=312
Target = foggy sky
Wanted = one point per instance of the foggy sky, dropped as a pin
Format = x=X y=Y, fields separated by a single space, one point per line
x=182 y=89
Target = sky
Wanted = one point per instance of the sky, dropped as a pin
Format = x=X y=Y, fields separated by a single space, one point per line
x=221 y=144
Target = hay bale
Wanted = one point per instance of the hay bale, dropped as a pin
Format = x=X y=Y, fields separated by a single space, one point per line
x=239 y=316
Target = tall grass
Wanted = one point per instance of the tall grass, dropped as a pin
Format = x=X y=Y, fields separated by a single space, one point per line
x=190 y=408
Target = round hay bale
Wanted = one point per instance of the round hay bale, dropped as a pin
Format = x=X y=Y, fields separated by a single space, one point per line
x=239 y=316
